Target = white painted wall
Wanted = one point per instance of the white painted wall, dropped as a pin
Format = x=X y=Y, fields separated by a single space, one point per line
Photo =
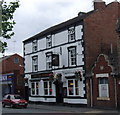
x=42 y=99
x=28 y=48
x=61 y=39
x=75 y=101
x=42 y=44
x=78 y=32
x=28 y=63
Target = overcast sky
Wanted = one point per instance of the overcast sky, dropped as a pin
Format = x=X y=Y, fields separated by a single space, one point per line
x=34 y=16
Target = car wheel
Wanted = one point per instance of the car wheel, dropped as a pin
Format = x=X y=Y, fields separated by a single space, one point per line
x=12 y=105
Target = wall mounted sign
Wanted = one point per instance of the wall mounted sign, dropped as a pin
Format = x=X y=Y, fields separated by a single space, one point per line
x=102 y=75
x=7 y=77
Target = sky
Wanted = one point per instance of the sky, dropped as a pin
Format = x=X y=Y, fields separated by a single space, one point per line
x=34 y=16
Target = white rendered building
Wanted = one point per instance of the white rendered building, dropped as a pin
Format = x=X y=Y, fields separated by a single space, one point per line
x=54 y=64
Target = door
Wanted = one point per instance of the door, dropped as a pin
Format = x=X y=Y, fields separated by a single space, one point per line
x=59 y=92
x=26 y=93
x=118 y=96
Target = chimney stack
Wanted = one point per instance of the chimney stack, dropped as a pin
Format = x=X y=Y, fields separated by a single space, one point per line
x=99 y=4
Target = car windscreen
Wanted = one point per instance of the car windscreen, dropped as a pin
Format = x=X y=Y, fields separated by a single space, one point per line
x=16 y=97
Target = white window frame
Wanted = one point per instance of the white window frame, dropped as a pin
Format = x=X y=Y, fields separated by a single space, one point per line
x=34 y=45
x=35 y=88
x=48 y=61
x=35 y=63
x=48 y=88
x=103 y=86
x=71 y=34
x=49 y=41
x=74 y=88
x=72 y=56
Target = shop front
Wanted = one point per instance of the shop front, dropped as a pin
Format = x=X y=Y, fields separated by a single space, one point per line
x=74 y=86
x=7 y=83
x=63 y=86
x=41 y=88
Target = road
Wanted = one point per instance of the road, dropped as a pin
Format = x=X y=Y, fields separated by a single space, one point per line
x=40 y=108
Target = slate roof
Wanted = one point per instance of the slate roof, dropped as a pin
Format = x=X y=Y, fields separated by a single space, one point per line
x=4 y=58
x=57 y=27
x=8 y=56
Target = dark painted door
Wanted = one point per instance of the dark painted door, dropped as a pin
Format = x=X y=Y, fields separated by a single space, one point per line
x=26 y=93
x=59 y=92
x=118 y=96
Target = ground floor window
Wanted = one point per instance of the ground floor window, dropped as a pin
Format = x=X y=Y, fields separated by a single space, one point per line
x=73 y=88
x=47 y=88
x=34 y=88
x=103 y=87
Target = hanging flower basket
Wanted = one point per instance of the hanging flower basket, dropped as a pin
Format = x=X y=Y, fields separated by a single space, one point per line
x=51 y=77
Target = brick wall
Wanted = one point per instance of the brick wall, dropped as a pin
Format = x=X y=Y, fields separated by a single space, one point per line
x=107 y=69
x=101 y=38
x=8 y=64
x=99 y=34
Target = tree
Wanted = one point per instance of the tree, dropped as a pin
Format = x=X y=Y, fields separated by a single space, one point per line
x=6 y=21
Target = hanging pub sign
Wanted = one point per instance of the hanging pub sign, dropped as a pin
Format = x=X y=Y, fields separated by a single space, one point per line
x=78 y=75
x=57 y=78
x=55 y=59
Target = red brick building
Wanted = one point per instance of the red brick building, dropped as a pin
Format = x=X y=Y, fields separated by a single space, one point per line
x=12 y=74
x=102 y=55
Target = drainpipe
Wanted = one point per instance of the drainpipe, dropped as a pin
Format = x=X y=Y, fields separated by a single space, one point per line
x=91 y=92
x=115 y=92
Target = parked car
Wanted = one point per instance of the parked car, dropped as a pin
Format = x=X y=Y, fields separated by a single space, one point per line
x=14 y=100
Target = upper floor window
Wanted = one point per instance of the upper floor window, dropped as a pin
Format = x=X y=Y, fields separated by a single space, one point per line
x=49 y=41
x=35 y=63
x=73 y=88
x=34 y=45
x=47 y=88
x=16 y=60
x=72 y=56
x=71 y=34
x=49 y=61
x=103 y=87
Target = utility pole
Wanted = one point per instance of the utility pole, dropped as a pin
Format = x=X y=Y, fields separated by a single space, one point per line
x=1 y=54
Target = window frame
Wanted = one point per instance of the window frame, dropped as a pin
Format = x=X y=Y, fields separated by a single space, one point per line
x=74 y=88
x=35 y=64
x=71 y=34
x=35 y=88
x=102 y=83
x=49 y=41
x=48 y=60
x=35 y=45
x=72 y=61
x=48 y=88
x=16 y=60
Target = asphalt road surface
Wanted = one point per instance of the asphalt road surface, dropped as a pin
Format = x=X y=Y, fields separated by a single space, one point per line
x=37 y=108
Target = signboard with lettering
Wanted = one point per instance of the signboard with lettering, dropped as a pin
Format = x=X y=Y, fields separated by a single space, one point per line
x=7 y=77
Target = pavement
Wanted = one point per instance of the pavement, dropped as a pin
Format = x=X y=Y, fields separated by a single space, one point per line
x=71 y=109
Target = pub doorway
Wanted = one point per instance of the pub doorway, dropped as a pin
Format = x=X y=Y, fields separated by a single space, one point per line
x=59 y=91
x=118 y=96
